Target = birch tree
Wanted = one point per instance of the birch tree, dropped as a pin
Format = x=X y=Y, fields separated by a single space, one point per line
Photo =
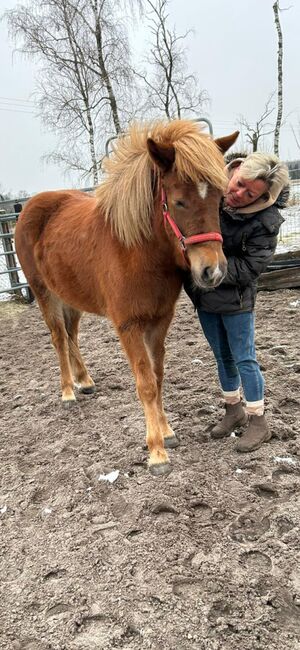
x=276 y=9
x=85 y=77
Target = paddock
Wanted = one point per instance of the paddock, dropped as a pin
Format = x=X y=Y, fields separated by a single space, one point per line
x=204 y=559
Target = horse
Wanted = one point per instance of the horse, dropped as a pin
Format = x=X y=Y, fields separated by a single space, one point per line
x=121 y=253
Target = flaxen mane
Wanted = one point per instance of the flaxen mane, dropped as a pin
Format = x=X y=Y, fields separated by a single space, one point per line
x=126 y=194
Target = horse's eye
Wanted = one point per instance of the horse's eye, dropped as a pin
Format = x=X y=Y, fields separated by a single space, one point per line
x=179 y=204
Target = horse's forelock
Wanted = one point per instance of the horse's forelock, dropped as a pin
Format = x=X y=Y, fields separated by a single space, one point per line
x=126 y=194
x=197 y=156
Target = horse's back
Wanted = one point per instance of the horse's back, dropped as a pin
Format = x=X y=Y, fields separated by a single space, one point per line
x=38 y=211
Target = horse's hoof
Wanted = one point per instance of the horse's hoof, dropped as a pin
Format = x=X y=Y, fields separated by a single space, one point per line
x=171 y=442
x=68 y=403
x=87 y=390
x=163 y=469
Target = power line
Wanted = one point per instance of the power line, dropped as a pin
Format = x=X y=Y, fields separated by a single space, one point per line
x=16 y=99
x=14 y=105
x=16 y=110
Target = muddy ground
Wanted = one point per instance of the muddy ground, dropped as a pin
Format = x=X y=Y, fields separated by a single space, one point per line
x=204 y=559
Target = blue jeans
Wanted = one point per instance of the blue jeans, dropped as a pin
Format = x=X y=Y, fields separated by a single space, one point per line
x=231 y=338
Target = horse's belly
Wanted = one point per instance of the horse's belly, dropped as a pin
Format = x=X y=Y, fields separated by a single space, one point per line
x=76 y=290
x=82 y=300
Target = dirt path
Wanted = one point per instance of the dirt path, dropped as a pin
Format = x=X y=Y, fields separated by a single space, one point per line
x=205 y=559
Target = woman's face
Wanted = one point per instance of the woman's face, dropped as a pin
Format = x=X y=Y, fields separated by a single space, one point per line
x=241 y=192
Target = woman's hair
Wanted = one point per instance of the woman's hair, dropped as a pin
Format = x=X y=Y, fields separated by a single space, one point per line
x=268 y=168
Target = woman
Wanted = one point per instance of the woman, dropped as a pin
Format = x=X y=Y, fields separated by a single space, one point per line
x=250 y=222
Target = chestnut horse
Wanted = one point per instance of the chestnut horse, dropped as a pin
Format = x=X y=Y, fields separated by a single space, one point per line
x=121 y=252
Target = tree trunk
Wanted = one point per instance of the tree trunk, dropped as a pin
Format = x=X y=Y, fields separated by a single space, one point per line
x=104 y=74
x=279 y=78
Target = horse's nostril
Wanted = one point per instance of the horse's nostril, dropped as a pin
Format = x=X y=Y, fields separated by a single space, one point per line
x=211 y=276
x=206 y=274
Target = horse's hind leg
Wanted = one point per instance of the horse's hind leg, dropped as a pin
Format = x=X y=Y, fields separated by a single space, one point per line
x=155 y=334
x=52 y=309
x=80 y=373
x=146 y=383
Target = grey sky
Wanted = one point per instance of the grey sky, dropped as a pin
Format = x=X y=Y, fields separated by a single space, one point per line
x=233 y=49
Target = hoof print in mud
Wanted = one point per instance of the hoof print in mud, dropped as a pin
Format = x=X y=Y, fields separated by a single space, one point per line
x=284 y=524
x=220 y=609
x=287 y=475
x=163 y=507
x=266 y=490
x=188 y=589
x=249 y=527
x=256 y=562
x=200 y=510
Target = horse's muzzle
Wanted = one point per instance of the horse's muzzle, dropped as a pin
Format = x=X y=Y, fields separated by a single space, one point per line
x=209 y=276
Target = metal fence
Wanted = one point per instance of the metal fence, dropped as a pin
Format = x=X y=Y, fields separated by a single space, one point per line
x=12 y=280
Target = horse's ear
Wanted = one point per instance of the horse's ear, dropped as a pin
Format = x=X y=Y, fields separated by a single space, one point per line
x=162 y=155
x=225 y=143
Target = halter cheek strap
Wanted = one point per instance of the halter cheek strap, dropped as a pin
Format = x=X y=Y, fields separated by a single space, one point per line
x=186 y=241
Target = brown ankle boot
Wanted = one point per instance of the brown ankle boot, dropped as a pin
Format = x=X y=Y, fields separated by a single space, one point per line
x=257 y=432
x=234 y=417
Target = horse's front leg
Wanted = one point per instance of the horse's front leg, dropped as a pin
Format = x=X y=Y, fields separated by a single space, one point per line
x=155 y=334
x=146 y=382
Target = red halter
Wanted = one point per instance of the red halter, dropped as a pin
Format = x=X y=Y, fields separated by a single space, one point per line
x=185 y=241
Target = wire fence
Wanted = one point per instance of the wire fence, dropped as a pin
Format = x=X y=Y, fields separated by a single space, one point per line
x=295 y=191
x=289 y=234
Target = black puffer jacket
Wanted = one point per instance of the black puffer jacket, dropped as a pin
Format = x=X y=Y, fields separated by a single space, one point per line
x=249 y=242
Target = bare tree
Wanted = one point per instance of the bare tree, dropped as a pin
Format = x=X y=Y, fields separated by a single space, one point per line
x=254 y=133
x=85 y=78
x=279 y=78
x=169 y=88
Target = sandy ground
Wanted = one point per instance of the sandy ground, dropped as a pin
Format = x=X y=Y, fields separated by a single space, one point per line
x=204 y=559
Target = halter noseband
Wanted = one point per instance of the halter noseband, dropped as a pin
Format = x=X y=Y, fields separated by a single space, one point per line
x=185 y=241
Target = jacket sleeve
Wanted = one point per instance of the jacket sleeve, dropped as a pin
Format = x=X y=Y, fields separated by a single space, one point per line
x=258 y=251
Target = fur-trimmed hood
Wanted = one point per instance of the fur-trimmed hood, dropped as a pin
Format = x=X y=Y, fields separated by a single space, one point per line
x=276 y=196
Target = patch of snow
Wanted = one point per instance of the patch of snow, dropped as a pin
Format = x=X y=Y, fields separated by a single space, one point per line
x=3 y=510
x=196 y=360
x=285 y=459
x=111 y=477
